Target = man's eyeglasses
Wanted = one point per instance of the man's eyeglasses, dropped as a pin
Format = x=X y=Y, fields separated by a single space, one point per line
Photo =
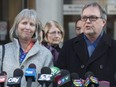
x=91 y=18
x=55 y=32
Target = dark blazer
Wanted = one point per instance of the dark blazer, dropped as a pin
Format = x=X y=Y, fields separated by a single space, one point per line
x=75 y=58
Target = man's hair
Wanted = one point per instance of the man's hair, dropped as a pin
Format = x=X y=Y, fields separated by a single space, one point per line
x=95 y=4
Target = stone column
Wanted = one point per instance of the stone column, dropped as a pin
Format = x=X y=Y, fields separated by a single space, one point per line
x=50 y=10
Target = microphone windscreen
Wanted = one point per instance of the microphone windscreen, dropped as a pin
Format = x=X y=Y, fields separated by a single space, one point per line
x=91 y=80
x=54 y=71
x=88 y=74
x=63 y=79
x=74 y=76
x=64 y=72
x=3 y=77
x=31 y=72
x=18 y=72
x=61 y=74
x=3 y=73
x=45 y=70
x=32 y=65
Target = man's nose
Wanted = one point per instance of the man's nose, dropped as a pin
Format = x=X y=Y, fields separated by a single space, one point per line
x=88 y=20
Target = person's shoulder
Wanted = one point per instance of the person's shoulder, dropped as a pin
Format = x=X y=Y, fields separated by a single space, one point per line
x=9 y=45
x=43 y=48
x=109 y=40
x=45 y=51
x=40 y=46
x=71 y=41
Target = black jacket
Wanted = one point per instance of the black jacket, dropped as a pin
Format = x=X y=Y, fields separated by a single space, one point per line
x=75 y=58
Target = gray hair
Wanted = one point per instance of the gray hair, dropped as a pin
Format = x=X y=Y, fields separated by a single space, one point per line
x=28 y=14
x=95 y=4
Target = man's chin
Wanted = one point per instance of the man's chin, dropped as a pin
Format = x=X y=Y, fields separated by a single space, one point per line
x=89 y=32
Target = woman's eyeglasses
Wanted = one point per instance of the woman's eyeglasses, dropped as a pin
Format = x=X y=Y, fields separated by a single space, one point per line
x=55 y=32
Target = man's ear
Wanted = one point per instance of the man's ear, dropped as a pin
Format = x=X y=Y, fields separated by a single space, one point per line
x=104 y=22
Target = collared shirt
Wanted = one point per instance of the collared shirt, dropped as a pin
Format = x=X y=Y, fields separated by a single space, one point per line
x=91 y=46
x=24 y=53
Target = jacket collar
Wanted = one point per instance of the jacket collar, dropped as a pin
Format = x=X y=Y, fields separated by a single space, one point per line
x=82 y=52
x=33 y=51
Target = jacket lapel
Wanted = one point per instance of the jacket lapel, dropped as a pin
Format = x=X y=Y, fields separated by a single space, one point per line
x=102 y=47
x=32 y=51
x=80 y=49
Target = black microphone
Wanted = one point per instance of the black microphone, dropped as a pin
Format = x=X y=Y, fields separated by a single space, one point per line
x=15 y=81
x=30 y=74
x=45 y=77
x=63 y=79
x=76 y=81
x=3 y=77
x=91 y=81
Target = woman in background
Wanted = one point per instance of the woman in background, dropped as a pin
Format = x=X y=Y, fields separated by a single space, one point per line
x=41 y=36
x=24 y=48
x=54 y=36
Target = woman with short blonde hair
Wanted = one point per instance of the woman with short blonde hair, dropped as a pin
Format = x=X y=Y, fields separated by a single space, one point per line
x=54 y=36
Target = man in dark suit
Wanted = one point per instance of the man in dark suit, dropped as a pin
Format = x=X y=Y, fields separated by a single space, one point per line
x=93 y=50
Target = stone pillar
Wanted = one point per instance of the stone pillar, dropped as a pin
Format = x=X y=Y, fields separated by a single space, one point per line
x=50 y=10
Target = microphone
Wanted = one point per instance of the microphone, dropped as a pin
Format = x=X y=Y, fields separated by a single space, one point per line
x=16 y=79
x=3 y=76
x=91 y=81
x=30 y=74
x=63 y=79
x=45 y=77
x=54 y=71
x=76 y=81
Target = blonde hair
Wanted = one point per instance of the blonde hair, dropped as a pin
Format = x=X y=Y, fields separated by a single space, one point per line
x=28 y=14
x=49 y=24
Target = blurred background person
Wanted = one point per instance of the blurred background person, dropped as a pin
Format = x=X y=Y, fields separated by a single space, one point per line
x=79 y=26
x=24 y=48
x=41 y=35
x=54 y=36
